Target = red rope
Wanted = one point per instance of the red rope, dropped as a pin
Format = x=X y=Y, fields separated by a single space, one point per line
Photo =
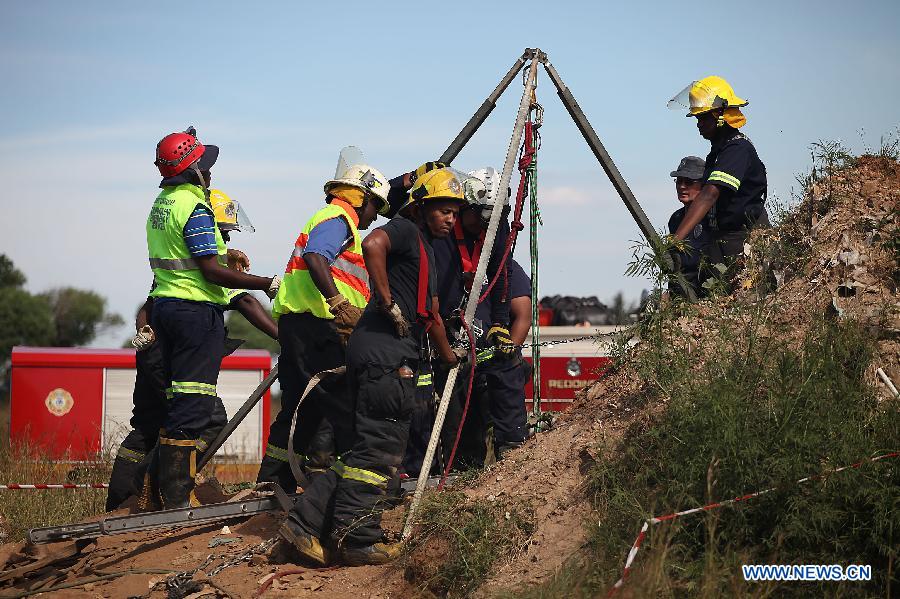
x=465 y=411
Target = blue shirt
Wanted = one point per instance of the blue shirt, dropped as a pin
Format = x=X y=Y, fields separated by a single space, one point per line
x=200 y=232
x=328 y=239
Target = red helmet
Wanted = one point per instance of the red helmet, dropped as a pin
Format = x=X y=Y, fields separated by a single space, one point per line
x=176 y=152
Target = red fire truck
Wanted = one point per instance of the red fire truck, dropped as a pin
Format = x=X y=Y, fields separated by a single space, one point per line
x=76 y=402
x=567 y=367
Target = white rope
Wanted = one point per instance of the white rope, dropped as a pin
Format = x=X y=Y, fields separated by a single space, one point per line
x=472 y=302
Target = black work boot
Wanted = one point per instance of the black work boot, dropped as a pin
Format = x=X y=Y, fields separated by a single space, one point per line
x=126 y=478
x=176 y=470
x=307 y=545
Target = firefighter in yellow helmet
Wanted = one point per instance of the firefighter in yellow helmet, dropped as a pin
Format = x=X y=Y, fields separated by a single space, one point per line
x=324 y=291
x=734 y=180
x=384 y=355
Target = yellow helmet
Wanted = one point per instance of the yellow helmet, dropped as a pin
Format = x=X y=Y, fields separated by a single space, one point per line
x=439 y=184
x=706 y=94
x=229 y=214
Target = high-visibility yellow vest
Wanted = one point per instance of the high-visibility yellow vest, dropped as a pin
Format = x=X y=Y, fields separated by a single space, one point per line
x=175 y=270
x=299 y=294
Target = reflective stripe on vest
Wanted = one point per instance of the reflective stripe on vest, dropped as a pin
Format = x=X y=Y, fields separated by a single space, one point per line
x=298 y=292
x=173 y=263
x=176 y=272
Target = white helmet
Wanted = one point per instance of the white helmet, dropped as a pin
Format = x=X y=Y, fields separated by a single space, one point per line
x=481 y=188
x=367 y=178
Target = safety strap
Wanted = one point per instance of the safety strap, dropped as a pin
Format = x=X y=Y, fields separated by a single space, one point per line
x=468 y=261
x=425 y=316
x=292 y=457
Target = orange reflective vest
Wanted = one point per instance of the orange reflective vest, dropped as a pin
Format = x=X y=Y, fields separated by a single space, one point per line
x=299 y=294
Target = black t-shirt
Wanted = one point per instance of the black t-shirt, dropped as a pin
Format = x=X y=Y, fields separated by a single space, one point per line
x=735 y=168
x=375 y=340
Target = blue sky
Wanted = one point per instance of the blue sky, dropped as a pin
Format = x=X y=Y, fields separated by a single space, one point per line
x=90 y=87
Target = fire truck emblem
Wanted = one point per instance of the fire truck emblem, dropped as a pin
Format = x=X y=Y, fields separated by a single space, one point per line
x=59 y=402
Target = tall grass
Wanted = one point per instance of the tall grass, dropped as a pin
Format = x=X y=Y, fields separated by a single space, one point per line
x=24 y=509
x=746 y=411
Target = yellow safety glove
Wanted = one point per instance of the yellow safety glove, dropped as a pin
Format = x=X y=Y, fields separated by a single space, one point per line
x=346 y=315
x=499 y=336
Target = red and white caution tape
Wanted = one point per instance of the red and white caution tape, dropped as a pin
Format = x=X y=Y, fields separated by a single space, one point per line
x=59 y=486
x=657 y=519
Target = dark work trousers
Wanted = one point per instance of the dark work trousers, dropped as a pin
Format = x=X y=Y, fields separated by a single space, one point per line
x=191 y=336
x=420 y=426
x=309 y=345
x=148 y=414
x=505 y=380
x=727 y=247
x=498 y=397
x=353 y=493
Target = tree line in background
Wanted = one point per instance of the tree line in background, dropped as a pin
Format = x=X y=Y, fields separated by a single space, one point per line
x=59 y=317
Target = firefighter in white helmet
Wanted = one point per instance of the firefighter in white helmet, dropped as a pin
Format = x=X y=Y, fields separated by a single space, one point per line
x=323 y=294
x=734 y=179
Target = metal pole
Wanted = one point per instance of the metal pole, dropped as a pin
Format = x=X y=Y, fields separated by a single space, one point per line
x=238 y=418
x=603 y=157
x=472 y=302
x=484 y=110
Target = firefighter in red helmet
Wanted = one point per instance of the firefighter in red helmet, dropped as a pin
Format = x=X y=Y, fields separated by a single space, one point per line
x=188 y=259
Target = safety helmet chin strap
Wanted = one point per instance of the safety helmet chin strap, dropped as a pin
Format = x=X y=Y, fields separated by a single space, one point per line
x=200 y=176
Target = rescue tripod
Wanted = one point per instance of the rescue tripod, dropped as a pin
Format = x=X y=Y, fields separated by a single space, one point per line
x=524 y=125
x=273 y=497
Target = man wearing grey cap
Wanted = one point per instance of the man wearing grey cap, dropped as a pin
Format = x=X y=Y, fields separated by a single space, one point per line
x=688 y=182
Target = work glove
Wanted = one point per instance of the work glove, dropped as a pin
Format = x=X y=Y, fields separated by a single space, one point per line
x=393 y=312
x=144 y=338
x=346 y=315
x=498 y=336
x=425 y=168
x=274 y=286
x=238 y=260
